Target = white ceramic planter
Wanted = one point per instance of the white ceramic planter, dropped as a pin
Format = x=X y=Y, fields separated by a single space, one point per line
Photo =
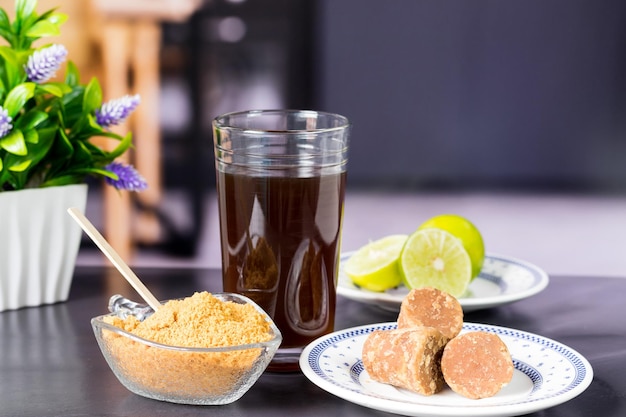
x=39 y=242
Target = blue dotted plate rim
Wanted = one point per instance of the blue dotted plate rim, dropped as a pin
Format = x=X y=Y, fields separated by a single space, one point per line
x=317 y=351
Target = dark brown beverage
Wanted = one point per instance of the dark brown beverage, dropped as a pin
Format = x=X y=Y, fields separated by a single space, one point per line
x=280 y=247
x=280 y=182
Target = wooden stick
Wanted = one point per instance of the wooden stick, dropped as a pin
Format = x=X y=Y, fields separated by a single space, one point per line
x=113 y=256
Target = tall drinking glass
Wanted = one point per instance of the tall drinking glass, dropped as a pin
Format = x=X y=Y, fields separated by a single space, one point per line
x=281 y=181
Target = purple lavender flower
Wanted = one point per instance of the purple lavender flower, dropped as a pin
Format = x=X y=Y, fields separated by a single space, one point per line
x=44 y=63
x=128 y=177
x=5 y=122
x=114 y=112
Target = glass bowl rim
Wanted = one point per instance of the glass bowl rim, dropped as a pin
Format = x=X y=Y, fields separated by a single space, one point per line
x=99 y=323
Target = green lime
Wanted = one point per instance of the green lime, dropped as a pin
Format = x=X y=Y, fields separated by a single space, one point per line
x=435 y=258
x=375 y=265
x=465 y=230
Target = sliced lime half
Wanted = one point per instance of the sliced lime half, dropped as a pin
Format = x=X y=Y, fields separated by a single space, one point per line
x=375 y=265
x=436 y=258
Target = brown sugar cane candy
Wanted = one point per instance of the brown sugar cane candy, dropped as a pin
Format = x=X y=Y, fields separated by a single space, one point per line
x=477 y=364
x=406 y=358
x=431 y=307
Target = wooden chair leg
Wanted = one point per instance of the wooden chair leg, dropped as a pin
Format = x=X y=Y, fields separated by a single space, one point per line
x=146 y=126
x=117 y=205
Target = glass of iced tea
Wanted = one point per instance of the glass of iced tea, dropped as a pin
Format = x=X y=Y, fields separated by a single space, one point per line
x=281 y=178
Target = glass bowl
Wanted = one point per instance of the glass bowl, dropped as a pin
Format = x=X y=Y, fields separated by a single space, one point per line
x=201 y=376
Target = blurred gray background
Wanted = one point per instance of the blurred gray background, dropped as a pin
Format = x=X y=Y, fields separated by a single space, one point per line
x=481 y=94
x=512 y=113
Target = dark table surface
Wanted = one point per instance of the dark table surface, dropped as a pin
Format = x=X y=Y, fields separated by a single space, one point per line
x=50 y=364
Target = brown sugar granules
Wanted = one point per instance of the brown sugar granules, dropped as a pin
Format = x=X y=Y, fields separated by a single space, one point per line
x=199 y=321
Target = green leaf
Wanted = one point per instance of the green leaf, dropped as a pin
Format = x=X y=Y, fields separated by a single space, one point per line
x=64 y=180
x=92 y=99
x=105 y=134
x=47 y=134
x=87 y=127
x=43 y=28
x=5 y=23
x=21 y=167
x=104 y=173
x=9 y=55
x=122 y=146
x=53 y=89
x=75 y=97
x=98 y=154
x=11 y=67
x=63 y=87
x=4 y=174
x=26 y=17
x=72 y=110
x=14 y=143
x=93 y=123
x=17 y=97
x=31 y=119
x=31 y=136
x=82 y=155
x=8 y=35
x=24 y=8
x=55 y=18
x=36 y=153
x=64 y=144
x=72 y=75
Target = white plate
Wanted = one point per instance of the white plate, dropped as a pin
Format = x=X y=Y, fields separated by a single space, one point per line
x=547 y=373
x=502 y=280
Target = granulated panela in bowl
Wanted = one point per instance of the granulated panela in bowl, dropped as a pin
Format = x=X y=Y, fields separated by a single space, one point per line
x=192 y=350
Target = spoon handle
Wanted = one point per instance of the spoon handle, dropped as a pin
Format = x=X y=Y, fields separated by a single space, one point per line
x=114 y=257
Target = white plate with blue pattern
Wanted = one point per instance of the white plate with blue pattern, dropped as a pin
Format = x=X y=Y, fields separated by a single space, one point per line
x=547 y=373
x=502 y=280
